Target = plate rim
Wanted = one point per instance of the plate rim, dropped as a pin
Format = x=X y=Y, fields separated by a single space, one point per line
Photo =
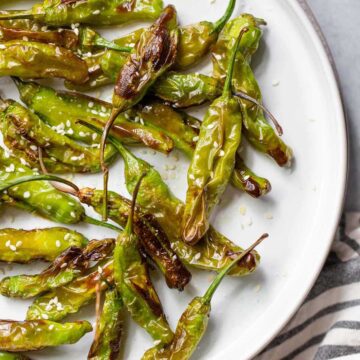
x=306 y=15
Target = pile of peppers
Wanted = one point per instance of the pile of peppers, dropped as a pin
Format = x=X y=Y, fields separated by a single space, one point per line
x=54 y=133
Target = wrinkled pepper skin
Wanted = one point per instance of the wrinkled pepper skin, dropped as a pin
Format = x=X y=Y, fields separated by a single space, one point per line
x=108 y=339
x=214 y=159
x=185 y=90
x=64 y=37
x=256 y=128
x=69 y=299
x=39 y=244
x=153 y=239
x=51 y=106
x=96 y=12
x=38 y=334
x=12 y=356
x=39 y=196
x=65 y=268
x=132 y=280
x=194 y=320
x=28 y=60
x=17 y=121
x=154 y=53
x=213 y=252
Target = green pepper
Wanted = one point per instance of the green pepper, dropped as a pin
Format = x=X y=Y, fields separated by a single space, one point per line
x=155 y=52
x=133 y=282
x=256 y=128
x=23 y=246
x=28 y=59
x=64 y=37
x=185 y=90
x=51 y=106
x=24 y=132
x=194 y=321
x=65 y=268
x=214 y=159
x=108 y=337
x=38 y=334
x=12 y=356
x=68 y=299
x=39 y=196
x=214 y=252
x=96 y=12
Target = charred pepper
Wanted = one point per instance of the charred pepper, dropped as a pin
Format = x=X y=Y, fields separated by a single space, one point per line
x=66 y=267
x=194 y=321
x=31 y=335
x=109 y=332
x=38 y=244
x=132 y=281
x=214 y=159
x=97 y=12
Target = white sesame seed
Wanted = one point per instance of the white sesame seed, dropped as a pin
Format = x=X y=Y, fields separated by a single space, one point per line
x=90 y=104
x=96 y=12
x=68 y=123
x=12 y=247
x=8 y=243
x=26 y=194
x=64 y=265
x=19 y=243
x=221 y=153
x=82 y=134
x=51 y=326
x=45 y=316
x=73 y=214
x=58 y=243
x=211 y=126
x=33 y=147
x=67 y=236
x=94 y=136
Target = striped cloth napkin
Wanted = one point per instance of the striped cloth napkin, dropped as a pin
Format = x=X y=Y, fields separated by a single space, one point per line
x=327 y=326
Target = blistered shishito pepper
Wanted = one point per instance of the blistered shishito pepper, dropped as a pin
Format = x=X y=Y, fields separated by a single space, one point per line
x=29 y=59
x=214 y=159
x=194 y=321
x=52 y=106
x=65 y=268
x=185 y=90
x=60 y=153
x=132 y=280
x=256 y=128
x=97 y=12
x=214 y=252
x=69 y=299
x=23 y=246
x=38 y=334
x=39 y=196
x=12 y=356
x=109 y=331
x=154 y=53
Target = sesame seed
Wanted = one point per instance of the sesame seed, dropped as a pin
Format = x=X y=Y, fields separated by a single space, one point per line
x=58 y=243
x=90 y=104
x=211 y=126
x=33 y=147
x=67 y=236
x=26 y=194
x=68 y=123
x=94 y=136
x=8 y=243
x=221 y=153
x=19 y=243
x=195 y=138
x=64 y=265
x=12 y=247
x=45 y=316
x=82 y=134
x=51 y=326
x=96 y=12
x=73 y=214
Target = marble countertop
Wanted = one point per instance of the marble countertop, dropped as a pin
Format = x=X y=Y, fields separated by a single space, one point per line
x=339 y=20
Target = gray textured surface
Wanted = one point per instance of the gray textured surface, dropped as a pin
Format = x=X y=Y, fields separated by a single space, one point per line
x=339 y=20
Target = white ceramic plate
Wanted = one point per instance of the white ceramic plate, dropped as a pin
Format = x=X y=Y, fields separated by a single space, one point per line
x=299 y=87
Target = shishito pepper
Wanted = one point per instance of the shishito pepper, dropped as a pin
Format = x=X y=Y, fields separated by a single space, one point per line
x=256 y=128
x=109 y=331
x=24 y=133
x=194 y=321
x=154 y=53
x=29 y=59
x=132 y=281
x=39 y=197
x=52 y=106
x=68 y=299
x=214 y=158
x=97 y=12
x=23 y=246
x=214 y=252
x=38 y=334
x=65 y=268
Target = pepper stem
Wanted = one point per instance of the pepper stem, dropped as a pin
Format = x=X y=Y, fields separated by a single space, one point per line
x=219 y=25
x=215 y=284
x=101 y=42
x=96 y=222
x=43 y=177
x=129 y=225
x=17 y=14
x=114 y=114
x=231 y=65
